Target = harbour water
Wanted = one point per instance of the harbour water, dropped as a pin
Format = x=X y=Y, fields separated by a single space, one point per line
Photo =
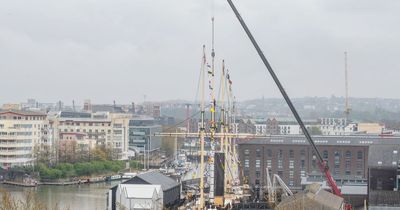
x=83 y=197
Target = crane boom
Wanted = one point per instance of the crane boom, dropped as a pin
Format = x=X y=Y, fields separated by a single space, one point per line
x=322 y=164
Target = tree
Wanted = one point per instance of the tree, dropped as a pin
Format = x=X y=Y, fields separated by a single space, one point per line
x=314 y=131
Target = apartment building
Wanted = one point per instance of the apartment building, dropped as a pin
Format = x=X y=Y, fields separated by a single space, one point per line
x=21 y=134
x=333 y=126
x=95 y=129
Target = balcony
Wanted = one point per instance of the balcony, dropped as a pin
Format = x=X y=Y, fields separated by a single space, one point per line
x=15 y=137
x=15 y=152
x=16 y=160
x=14 y=144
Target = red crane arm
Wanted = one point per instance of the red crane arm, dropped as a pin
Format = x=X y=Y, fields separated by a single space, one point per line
x=332 y=183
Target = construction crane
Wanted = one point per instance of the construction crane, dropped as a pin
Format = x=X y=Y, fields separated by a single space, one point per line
x=321 y=163
x=272 y=187
x=347 y=107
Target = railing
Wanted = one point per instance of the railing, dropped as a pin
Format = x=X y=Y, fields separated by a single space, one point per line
x=15 y=152
x=15 y=137
x=2 y=145
x=16 y=160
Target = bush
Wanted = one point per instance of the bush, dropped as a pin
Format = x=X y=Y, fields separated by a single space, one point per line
x=67 y=170
x=135 y=164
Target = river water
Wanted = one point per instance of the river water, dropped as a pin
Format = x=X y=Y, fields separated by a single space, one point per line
x=82 y=197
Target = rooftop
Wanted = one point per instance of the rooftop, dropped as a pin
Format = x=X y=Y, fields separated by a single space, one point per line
x=311 y=198
x=384 y=156
x=140 y=190
x=155 y=178
x=22 y=112
x=364 y=140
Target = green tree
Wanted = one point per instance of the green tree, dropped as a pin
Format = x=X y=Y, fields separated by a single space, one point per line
x=314 y=131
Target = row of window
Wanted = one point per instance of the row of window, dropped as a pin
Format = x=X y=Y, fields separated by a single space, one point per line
x=359 y=164
x=16 y=133
x=325 y=154
x=85 y=124
x=25 y=141
x=84 y=131
x=22 y=118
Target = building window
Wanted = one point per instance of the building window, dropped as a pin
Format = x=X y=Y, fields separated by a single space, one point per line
x=360 y=155
x=246 y=152
x=269 y=153
x=348 y=164
x=258 y=163
x=302 y=153
x=325 y=154
x=280 y=153
x=348 y=154
x=280 y=164
x=314 y=165
x=258 y=174
x=246 y=163
x=359 y=165
x=258 y=152
x=291 y=174
x=337 y=158
x=269 y=164
x=291 y=154
x=302 y=164
x=291 y=163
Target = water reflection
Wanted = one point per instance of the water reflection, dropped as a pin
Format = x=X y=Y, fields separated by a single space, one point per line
x=86 y=196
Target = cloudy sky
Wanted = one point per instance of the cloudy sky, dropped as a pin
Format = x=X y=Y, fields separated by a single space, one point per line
x=120 y=50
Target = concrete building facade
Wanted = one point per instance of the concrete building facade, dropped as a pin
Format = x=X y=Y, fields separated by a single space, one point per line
x=333 y=126
x=109 y=130
x=141 y=134
x=21 y=134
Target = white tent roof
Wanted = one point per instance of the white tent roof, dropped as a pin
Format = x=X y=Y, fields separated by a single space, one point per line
x=140 y=190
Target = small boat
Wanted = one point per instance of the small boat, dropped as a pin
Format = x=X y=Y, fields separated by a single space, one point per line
x=96 y=179
x=128 y=175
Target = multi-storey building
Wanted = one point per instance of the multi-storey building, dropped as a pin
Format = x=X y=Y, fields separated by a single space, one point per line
x=291 y=158
x=272 y=126
x=98 y=129
x=289 y=129
x=141 y=134
x=261 y=128
x=246 y=126
x=22 y=133
x=120 y=134
x=333 y=126
x=293 y=128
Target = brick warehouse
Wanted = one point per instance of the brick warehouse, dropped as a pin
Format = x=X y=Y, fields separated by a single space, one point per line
x=291 y=157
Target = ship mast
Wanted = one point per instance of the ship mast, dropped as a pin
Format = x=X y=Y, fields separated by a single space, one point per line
x=202 y=130
x=213 y=101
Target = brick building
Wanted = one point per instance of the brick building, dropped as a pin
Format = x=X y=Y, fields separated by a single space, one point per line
x=291 y=157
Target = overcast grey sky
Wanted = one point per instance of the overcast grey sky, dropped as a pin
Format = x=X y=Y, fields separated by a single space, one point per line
x=122 y=49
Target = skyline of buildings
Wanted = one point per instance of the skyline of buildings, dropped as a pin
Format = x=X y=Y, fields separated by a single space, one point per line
x=129 y=129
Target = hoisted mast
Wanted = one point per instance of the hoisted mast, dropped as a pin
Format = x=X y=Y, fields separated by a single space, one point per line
x=202 y=130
